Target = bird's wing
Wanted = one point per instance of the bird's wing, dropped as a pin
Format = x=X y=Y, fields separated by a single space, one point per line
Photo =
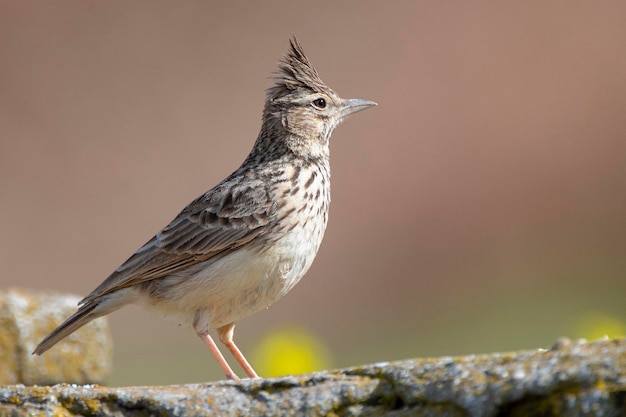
x=224 y=218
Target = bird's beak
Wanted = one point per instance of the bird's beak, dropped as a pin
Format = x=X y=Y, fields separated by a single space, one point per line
x=354 y=105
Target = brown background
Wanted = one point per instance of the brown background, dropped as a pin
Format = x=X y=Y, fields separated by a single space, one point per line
x=481 y=206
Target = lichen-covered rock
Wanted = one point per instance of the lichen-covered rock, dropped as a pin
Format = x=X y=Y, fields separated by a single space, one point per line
x=570 y=380
x=26 y=317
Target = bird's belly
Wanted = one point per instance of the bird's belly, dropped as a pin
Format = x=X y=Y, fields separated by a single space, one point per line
x=238 y=284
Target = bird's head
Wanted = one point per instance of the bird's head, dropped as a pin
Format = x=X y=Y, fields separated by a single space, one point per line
x=304 y=107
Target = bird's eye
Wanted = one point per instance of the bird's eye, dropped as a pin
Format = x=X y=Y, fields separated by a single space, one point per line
x=320 y=103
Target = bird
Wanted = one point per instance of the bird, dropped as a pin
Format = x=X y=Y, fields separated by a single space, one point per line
x=245 y=243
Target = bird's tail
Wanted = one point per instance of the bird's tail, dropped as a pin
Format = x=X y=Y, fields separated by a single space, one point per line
x=84 y=315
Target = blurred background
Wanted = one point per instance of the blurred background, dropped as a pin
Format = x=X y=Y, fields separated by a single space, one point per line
x=480 y=207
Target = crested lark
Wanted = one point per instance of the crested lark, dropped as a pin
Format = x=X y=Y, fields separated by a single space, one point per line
x=246 y=242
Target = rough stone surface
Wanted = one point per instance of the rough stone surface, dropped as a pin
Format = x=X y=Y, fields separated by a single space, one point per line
x=26 y=317
x=571 y=379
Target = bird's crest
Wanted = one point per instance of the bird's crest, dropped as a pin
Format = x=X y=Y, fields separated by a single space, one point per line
x=296 y=74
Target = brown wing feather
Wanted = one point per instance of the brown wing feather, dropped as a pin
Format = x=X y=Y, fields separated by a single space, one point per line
x=224 y=218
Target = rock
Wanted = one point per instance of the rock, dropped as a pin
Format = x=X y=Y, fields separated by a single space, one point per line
x=571 y=379
x=26 y=317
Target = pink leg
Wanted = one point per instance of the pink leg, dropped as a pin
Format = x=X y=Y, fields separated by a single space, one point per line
x=218 y=355
x=226 y=336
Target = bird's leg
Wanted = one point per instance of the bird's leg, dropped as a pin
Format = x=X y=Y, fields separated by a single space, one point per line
x=226 y=336
x=206 y=338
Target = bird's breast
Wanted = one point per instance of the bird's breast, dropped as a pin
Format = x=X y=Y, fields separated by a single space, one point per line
x=300 y=218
